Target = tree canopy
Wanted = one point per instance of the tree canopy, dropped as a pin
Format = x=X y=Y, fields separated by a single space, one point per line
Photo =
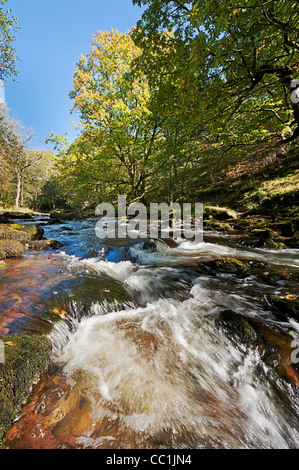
x=240 y=57
x=8 y=28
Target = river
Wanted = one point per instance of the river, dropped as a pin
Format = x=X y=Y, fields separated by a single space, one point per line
x=139 y=358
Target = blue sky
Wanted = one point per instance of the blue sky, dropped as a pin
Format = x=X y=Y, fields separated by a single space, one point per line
x=53 y=35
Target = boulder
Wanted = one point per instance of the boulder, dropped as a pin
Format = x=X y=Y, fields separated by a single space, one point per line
x=22 y=233
x=10 y=249
x=23 y=362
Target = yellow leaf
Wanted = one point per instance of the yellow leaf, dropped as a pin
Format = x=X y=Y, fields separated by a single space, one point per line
x=9 y=343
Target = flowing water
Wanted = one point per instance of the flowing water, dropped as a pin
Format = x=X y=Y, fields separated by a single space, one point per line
x=139 y=357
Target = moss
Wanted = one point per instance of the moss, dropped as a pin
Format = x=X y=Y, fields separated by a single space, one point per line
x=219 y=213
x=20 y=232
x=26 y=359
x=35 y=231
x=10 y=249
x=229 y=265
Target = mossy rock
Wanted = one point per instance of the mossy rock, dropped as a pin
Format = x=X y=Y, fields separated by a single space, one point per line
x=219 y=213
x=24 y=362
x=10 y=249
x=22 y=233
x=35 y=231
x=243 y=268
x=227 y=265
x=43 y=245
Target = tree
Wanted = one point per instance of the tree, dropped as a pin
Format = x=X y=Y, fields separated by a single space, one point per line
x=119 y=133
x=241 y=58
x=14 y=139
x=8 y=27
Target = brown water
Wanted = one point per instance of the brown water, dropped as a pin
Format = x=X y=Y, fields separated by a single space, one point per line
x=138 y=359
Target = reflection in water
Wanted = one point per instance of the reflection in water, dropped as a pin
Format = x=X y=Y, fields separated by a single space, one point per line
x=139 y=358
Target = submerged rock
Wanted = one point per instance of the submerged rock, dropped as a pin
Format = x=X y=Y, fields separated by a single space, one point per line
x=25 y=360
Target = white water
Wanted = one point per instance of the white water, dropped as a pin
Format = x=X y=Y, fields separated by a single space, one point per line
x=166 y=369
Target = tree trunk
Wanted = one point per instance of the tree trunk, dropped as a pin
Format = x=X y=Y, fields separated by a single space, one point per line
x=19 y=179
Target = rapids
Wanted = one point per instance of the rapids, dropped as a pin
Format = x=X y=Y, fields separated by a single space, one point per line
x=139 y=359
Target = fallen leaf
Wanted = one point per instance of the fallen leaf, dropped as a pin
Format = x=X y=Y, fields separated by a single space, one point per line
x=292 y=374
x=9 y=343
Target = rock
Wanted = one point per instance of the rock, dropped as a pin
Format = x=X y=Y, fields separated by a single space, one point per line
x=218 y=226
x=21 y=237
x=218 y=213
x=25 y=360
x=293 y=243
x=286 y=305
x=17 y=215
x=150 y=245
x=40 y=245
x=243 y=268
x=266 y=238
x=10 y=249
x=238 y=329
x=21 y=232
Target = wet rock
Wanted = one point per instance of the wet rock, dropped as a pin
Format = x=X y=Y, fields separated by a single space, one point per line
x=244 y=268
x=229 y=265
x=150 y=245
x=10 y=249
x=42 y=245
x=238 y=329
x=25 y=360
x=286 y=305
